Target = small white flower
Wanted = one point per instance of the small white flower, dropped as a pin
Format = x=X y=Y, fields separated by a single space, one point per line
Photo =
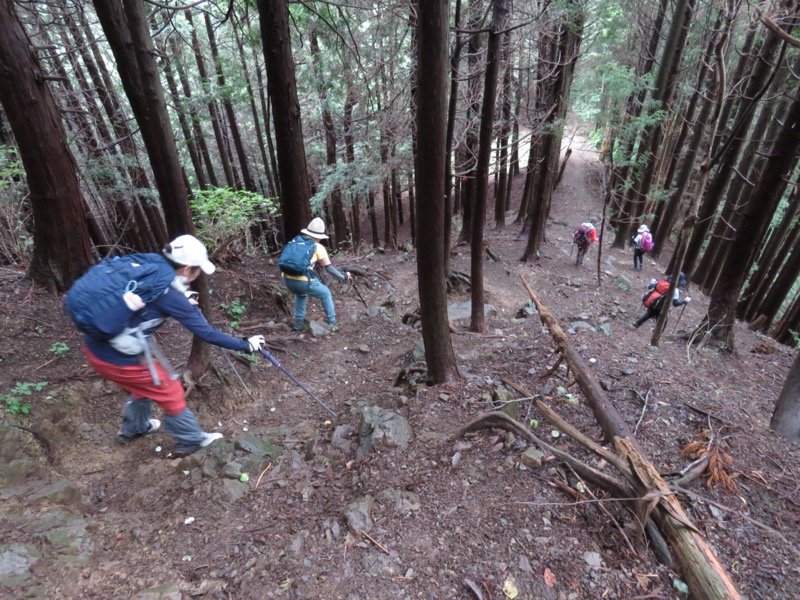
x=188 y=520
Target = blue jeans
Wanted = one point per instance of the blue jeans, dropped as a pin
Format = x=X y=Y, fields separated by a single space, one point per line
x=314 y=288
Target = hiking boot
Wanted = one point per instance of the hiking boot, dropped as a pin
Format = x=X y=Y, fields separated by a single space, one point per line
x=209 y=438
x=335 y=328
x=152 y=426
x=297 y=326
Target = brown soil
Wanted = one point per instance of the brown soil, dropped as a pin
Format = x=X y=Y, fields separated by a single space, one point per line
x=481 y=517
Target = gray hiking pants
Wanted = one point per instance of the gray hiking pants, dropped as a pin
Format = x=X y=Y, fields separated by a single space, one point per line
x=183 y=426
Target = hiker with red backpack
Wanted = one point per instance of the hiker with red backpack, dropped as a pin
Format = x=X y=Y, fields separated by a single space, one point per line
x=642 y=242
x=296 y=263
x=583 y=237
x=118 y=304
x=655 y=296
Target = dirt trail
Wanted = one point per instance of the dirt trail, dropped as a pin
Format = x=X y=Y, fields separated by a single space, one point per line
x=106 y=521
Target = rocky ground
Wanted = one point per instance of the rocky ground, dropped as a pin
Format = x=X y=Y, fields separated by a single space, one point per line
x=381 y=501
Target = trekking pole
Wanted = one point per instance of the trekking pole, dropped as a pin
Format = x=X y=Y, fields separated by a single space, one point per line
x=275 y=362
x=679 y=319
x=359 y=293
x=239 y=377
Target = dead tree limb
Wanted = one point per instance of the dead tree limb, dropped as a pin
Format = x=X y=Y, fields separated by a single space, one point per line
x=705 y=575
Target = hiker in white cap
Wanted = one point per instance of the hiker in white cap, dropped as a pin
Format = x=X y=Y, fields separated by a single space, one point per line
x=297 y=271
x=642 y=242
x=133 y=361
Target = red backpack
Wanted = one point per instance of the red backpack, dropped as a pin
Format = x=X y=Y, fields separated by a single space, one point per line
x=656 y=295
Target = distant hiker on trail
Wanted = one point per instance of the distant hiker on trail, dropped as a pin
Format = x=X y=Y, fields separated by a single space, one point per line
x=654 y=298
x=297 y=262
x=583 y=237
x=118 y=304
x=642 y=242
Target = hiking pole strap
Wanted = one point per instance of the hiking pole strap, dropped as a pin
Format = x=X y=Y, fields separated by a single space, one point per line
x=236 y=372
x=148 y=356
x=275 y=362
x=359 y=293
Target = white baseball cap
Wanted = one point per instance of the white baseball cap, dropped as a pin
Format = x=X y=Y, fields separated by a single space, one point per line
x=188 y=250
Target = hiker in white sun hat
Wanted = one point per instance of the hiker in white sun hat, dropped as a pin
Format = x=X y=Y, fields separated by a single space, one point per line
x=642 y=242
x=297 y=262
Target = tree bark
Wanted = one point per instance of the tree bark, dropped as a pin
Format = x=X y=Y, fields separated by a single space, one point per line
x=704 y=573
x=430 y=168
x=61 y=248
x=786 y=417
x=477 y=251
x=295 y=188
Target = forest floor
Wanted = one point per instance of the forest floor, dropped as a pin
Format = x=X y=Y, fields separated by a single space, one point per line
x=84 y=517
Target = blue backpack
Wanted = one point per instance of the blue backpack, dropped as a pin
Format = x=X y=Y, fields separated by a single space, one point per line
x=95 y=300
x=296 y=256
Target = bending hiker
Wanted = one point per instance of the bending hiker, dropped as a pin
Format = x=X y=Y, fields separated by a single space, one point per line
x=118 y=304
x=654 y=298
x=297 y=271
x=583 y=237
x=642 y=242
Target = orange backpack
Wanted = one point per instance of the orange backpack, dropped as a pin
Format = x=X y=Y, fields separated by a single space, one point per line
x=656 y=294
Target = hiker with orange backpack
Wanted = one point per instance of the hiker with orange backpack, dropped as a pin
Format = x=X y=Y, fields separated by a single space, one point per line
x=583 y=237
x=642 y=242
x=655 y=296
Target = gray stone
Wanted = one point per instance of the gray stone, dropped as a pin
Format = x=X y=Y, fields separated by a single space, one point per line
x=374 y=311
x=232 y=470
x=17 y=464
x=627 y=371
x=61 y=491
x=166 y=591
x=15 y=563
x=606 y=329
x=358 y=514
x=526 y=311
x=342 y=437
x=65 y=531
x=525 y=564
x=463 y=310
x=318 y=328
x=254 y=445
x=580 y=325
x=418 y=351
x=401 y=501
x=623 y=283
x=232 y=489
x=383 y=428
x=593 y=559
x=378 y=564
x=532 y=458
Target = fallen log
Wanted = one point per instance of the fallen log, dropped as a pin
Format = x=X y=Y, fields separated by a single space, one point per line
x=704 y=573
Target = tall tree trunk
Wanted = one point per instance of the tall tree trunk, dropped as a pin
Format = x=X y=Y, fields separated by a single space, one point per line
x=430 y=169
x=127 y=33
x=477 y=250
x=61 y=251
x=502 y=141
x=786 y=417
x=350 y=157
x=564 y=47
x=452 y=104
x=768 y=191
x=652 y=135
x=273 y=163
x=254 y=111
x=337 y=210
x=247 y=178
x=216 y=121
x=295 y=188
x=194 y=116
x=755 y=88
